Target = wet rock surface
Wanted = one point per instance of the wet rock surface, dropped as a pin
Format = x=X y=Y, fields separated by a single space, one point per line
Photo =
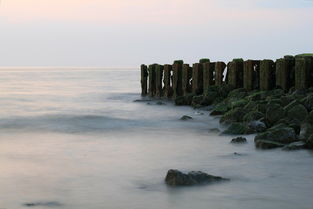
x=239 y=140
x=178 y=178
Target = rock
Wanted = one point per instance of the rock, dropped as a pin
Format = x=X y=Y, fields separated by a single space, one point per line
x=257 y=126
x=239 y=140
x=160 y=103
x=184 y=100
x=251 y=106
x=252 y=116
x=256 y=96
x=298 y=112
x=238 y=93
x=291 y=105
x=294 y=146
x=286 y=100
x=274 y=113
x=197 y=101
x=238 y=103
x=309 y=118
x=186 y=117
x=219 y=109
x=266 y=144
x=142 y=100
x=234 y=115
x=308 y=102
x=282 y=135
x=178 y=178
x=309 y=142
x=306 y=131
x=236 y=129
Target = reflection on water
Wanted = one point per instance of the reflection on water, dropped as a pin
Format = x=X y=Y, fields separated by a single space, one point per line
x=75 y=139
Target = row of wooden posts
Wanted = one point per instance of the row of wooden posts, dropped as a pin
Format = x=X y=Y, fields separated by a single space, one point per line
x=179 y=79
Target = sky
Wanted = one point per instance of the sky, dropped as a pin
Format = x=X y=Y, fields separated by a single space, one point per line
x=127 y=33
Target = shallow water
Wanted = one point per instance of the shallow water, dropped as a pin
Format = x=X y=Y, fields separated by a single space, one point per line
x=74 y=139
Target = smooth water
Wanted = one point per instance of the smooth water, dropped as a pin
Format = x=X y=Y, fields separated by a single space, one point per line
x=75 y=139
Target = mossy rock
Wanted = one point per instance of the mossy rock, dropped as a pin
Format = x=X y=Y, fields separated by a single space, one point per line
x=308 y=102
x=239 y=140
x=309 y=118
x=286 y=100
x=197 y=100
x=220 y=109
x=291 y=105
x=250 y=106
x=276 y=93
x=224 y=90
x=239 y=103
x=309 y=142
x=238 y=93
x=204 y=60
x=298 y=112
x=274 y=113
x=252 y=116
x=284 y=135
x=306 y=131
x=186 y=117
x=236 y=129
x=267 y=144
x=234 y=115
x=256 y=96
x=271 y=101
x=184 y=100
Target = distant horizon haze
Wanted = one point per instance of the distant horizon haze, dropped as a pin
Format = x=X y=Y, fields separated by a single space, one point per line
x=127 y=33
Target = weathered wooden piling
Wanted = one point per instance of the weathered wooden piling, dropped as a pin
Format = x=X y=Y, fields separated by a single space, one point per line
x=303 y=72
x=267 y=75
x=235 y=73
x=167 y=90
x=284 y=70
x=152 y=75
x=197 y=78
x=219 y=73
x=251 y=72
x=158 y=82
x=144 y=80
x=186 y=79
x=177 y=79
x=208 y=76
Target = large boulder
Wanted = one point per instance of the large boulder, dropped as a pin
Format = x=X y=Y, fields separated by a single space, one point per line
x=274 y=113
x=279 y=134
x=178 y=178
x=238 y=93
x=306 y=131
x=294 y=146
x=308 y=102
x=257 y=126
x=298 y=112
x=257 y=95
x=219 y=109
x=237 y=129
x=309 y=142
x=184 y=100
x=266 y=144
x=253 y=116
x=234 y=115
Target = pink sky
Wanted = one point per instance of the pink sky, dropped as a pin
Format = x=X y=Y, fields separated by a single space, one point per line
x=36 y=26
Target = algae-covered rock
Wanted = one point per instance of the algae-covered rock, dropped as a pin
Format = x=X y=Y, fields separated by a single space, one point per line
x=257 y=126
x=252 y=116
x=236 y=129
x=234 y=115
x=309 y=142
x=267 y=144
x=178 y=178
x=197 y=100
x=220 y=109
x=298 y=112
x=239 y=140
x=224 y=90
x=238 y=93
x=294 y=146
x=238 y=103
x=308 y=102
x=256 y=96
x=306 y=131
x=184 y=100
x=283 y=135
x=291 y=105
x=274 y=113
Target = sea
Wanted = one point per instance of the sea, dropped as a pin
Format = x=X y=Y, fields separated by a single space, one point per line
x=84 y=138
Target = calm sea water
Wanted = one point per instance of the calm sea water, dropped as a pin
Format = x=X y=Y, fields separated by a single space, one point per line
x=74 y=139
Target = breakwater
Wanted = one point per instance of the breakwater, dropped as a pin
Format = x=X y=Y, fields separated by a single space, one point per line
x=273 y=99
x=180 y=79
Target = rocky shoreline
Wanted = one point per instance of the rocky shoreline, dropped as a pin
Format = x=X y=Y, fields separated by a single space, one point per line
x=278 y=118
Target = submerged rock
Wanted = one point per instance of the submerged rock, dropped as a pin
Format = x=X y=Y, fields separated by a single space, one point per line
x=294 y=146
x=282 y=135
x=178 y=178
x=239 y=140
x=236 y=129
x=257 y=126
x=266 y=144
x=186 y=117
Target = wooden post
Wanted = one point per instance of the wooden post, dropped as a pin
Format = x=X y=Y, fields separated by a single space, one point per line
x=250 y=74
x=208 y=76
x=219 y=74
x=303 y=72
x=152 y=75
x=267 y=75
x=144 y=80
x=186 y=79
x=168 y=91
x=283 y=73
x=159 y=76
x=197 y=79
x=235 y=73
x=177 y=79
